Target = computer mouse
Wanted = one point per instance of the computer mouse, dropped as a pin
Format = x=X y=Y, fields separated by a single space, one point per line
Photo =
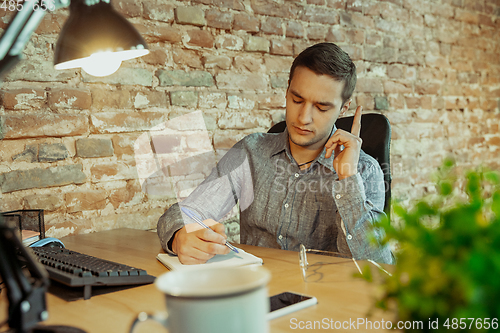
x=48 y=242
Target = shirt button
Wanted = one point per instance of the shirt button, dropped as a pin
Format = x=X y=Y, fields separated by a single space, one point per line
x=297 y=175
x=338 y=196
x=280 y=237
x=349 y=237
x=286 y=205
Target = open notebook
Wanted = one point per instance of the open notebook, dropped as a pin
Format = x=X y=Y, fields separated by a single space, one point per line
x=231 y=259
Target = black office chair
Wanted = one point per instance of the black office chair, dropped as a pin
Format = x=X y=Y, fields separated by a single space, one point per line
x=376 y=136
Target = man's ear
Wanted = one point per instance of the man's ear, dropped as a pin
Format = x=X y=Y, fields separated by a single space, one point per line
x=345 y=107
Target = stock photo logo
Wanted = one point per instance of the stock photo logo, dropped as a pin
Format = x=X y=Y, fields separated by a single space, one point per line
x=176 y=157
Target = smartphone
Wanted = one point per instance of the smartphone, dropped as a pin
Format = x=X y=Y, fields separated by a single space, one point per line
x=288 y=302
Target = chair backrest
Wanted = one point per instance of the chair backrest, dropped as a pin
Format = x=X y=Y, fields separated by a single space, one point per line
x=376 y=136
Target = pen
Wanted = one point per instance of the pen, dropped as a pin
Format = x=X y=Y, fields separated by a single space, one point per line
x=200 y=222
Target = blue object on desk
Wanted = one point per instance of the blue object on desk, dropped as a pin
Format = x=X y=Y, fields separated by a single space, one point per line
x=200 y=222
x=48 y=242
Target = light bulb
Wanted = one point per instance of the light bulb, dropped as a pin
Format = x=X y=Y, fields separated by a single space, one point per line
x=102 y=63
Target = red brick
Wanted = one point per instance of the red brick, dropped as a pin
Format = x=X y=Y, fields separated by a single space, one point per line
x=88 y=200
x=356 y=20
x=494 y=141
x=398 y=87
x=231 y=4
x=156 y=10
x=336 y=4
x=356 y=36
x=187 y=57
x=413 y=102
x=69 y=98
x=436 y=61
x=159 y=33
x=486 y=20
x=366 y=101
x=391 y=27
x=6 y=16
x=157 y=57
x=268 y=8
x=44 y=125
x=246 y=22
x=336 y=35
x=387 y=11
x=124 y=195
x=246 y=82
x=316 y=32
x=452 y=90
x=104 y=99
x=249 y=63
x=201 y=38
x=229 y=42
x=129 y=8
x=316 y=2
x=271 y=101
x=397 y=102
x=119 y=122
x=460 y=52
x=24 y=98
x=369 y=85
x=51 y=23
x=354 y=5
x=466 y=16
x=217 y=19
x=272 y=26
x=395 y=71
x=373 y=38
x=146 y=99
x=320 y=15
x=243 y=120
x=278 y=64
x=282 y=47
x=123 y=144
x=426 y=102
x=294 y=29
x=463 y=66
x=113 y=171
x=380 y=54
x=427 y=88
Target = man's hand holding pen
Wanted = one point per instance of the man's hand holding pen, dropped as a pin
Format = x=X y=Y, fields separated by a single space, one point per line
x=194 y=244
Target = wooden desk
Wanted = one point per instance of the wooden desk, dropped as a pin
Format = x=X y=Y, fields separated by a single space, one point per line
x=342 y=298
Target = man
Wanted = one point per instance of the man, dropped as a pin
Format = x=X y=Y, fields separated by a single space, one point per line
x=311 y=184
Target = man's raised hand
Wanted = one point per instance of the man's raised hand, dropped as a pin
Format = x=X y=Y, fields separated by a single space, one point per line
x=346 y=160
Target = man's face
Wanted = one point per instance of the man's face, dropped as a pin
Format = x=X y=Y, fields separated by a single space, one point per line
x=313 y=104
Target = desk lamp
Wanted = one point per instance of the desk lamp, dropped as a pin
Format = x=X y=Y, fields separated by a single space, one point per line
x=97 y=39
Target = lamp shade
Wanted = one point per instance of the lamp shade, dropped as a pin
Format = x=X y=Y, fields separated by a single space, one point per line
x=97 y=38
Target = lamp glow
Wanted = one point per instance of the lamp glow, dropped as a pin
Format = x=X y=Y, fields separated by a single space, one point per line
x=102 y=63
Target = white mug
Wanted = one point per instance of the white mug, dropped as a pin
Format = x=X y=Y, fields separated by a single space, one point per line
x=222 y=300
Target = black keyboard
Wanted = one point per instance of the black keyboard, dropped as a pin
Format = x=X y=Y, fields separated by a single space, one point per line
x=80 y=270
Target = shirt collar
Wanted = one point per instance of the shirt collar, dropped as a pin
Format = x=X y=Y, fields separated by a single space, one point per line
x=281 y=144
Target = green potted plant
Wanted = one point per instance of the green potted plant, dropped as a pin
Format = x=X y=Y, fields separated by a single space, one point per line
x=447 y=275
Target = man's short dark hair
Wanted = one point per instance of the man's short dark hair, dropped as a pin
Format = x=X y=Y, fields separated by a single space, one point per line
x=328 y=59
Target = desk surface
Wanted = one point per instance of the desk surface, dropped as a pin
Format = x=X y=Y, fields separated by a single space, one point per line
x=341 y=297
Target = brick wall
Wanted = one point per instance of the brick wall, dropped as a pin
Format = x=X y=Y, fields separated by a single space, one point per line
x=432 y=67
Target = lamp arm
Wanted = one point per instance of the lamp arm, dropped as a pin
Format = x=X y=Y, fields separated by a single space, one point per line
x=20 y=29
x=25 y=292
